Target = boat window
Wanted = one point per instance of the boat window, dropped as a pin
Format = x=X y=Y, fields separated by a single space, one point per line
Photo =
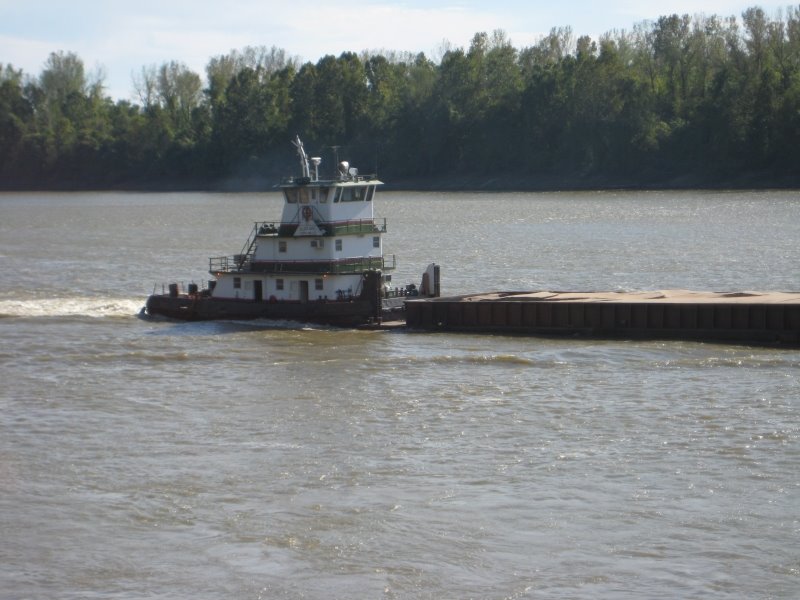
x=291 y=195
x=337 y=195
x=352 y=194
x=318 y=284
x=237 y=282
x=376 y=241
x=370 y=193
x=303 y=195
x=282 y=246
x=339 y=245
x=279 y=284
x=323 y=195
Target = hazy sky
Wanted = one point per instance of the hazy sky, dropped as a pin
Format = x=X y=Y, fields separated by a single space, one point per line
x=121 y=36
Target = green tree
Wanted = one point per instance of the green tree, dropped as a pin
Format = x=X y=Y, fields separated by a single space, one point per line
x=306 y=116
x=450 y=115
x=502 y=81
x=179 y=93
x=253 y=118
x=412 y=151
x=70 y=131
x=16 y=114
x=383 y=92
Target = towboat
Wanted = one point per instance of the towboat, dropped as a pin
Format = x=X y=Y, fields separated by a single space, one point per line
x=323 y=262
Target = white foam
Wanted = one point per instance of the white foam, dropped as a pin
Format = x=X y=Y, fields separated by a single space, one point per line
x=66 y=307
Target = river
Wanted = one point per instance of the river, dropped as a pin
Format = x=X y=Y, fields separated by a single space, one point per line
x=143 y=459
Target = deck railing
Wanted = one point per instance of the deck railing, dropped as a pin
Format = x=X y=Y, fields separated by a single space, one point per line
x=356 y=226
x=239 y=264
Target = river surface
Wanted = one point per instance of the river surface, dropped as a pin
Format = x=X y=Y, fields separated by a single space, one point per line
x=152 y=459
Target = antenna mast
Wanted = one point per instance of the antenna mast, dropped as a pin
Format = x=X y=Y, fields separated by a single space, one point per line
x=303 y=157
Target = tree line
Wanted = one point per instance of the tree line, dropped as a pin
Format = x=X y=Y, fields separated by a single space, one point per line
x=701 y=100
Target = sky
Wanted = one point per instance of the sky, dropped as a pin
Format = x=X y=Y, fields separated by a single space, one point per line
x=117 y=38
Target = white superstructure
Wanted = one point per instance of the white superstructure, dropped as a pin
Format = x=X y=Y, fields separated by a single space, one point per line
x=326 y=240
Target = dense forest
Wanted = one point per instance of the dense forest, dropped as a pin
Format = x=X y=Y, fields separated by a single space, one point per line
x=680 y=101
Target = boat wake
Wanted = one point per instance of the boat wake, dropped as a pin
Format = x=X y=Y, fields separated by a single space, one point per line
x=100 y=307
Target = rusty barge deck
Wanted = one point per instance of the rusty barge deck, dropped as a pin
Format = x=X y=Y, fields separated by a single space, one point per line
x=742 y=317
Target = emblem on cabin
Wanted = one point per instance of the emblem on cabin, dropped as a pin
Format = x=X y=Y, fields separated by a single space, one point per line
x=306 y=224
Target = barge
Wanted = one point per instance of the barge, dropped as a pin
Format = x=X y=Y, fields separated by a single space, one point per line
x=741 y=317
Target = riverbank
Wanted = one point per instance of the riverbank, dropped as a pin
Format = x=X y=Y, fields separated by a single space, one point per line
x=557 y=183
x=510 y=182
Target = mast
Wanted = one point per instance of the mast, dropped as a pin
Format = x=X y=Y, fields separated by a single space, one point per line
x=303 y=157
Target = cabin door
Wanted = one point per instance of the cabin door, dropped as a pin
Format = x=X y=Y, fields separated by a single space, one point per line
x=303 y=291
x=258 y=290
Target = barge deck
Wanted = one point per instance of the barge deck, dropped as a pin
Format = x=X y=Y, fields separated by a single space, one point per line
x=742 y=317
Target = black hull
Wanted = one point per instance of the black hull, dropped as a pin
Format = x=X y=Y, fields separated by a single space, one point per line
x=188 y=308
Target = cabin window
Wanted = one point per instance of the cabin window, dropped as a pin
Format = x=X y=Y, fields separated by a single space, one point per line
x=370 y=193
x=338 y=245
x=323 y=195
x=303 y=193
x=291 y=196
x=282 y=246
x=279 y=284
x=318 y=284
x=352 y=194
x=376 y=241
x=237 y=283
x=337 y=195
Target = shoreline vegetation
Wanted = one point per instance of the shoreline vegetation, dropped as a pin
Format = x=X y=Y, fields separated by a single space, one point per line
x=703 y=102
x=497 y=183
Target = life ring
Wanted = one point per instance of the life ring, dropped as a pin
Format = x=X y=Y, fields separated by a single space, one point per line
x=307 y=213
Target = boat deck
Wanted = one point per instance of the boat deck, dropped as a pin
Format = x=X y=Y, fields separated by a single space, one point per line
x=663 y=296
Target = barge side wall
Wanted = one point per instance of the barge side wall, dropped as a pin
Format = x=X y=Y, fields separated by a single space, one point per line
x=742 y=322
